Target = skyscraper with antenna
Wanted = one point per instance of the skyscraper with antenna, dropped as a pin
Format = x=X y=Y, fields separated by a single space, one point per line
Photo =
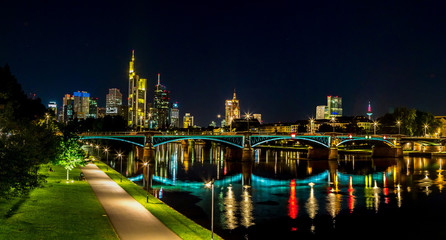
x=161 y=104
x=137 y=97
x=369 y=112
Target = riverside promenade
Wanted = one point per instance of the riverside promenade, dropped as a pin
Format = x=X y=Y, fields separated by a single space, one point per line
x=129 y=218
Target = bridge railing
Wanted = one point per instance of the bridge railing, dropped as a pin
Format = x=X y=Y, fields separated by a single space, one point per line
x=180 y=133
x=107 y=133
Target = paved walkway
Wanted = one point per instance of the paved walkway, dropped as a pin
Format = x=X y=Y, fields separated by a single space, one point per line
x=129 y=218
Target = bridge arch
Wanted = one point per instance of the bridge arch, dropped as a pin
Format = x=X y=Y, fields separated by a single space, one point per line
x=381 y=141
x=237 y=141
x=319 y=141
x=111 y=138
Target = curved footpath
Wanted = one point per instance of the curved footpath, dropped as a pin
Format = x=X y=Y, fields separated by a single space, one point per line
x=129 y=218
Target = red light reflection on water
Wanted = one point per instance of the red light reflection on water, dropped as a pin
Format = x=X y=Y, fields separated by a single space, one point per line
x=292 y=202
x=351 y=197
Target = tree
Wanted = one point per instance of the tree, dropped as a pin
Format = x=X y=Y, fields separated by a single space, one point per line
x=22 y=151
x=24 y=144
x=71 y=154
x=412 y=122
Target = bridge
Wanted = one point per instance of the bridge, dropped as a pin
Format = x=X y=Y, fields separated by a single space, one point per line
x=320 y=146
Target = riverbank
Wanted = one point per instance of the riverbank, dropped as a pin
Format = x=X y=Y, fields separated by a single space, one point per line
x=178 y=223
x=56 y=210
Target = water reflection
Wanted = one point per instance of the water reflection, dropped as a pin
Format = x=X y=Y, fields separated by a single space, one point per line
x=246 y=208
x=292 y=203
x=276 y=185
x=312 y=207
x=230 y=209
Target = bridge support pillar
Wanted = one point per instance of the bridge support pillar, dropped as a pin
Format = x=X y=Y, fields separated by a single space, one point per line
x=322 y=153
x=390 y=152
x=247 y=173
x=247 y=154
x=149 y=151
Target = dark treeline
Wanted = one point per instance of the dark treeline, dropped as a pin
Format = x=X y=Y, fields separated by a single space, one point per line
x=105 y=124
x=29 y=137
x=411 y=122
x=25 y=141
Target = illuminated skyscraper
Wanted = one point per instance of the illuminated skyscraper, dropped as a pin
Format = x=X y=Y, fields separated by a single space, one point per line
x=175 y=116
x=161 y=104
x=321 y=111
x=332 y=110
x=52 y=106
x=137 y=97
x=369 y=112
x=232 y=110
x=334 y=107
x=81 y=105
x=68 y=104
x=188 y=120
x=113 y=102
x=93 y=108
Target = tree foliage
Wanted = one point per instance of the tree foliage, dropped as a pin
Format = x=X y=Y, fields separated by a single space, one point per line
x=71 y=153
x=24 y=144
x=106 y=124
x=412 y=122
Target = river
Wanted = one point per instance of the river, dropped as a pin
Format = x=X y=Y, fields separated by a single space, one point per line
x=280 y=194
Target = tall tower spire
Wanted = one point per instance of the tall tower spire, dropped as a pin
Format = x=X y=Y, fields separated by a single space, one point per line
x=234 y=95
x=158 y=79
x=369 y=112
x=133 y=55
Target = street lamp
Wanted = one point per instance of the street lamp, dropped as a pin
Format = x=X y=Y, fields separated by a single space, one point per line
x=211 y=185
x=97 y=149
x=398 y=123
x=425 y=130
x=47 y=116
x=311 y=125
x=375 y=124
x=106 y=153
x=332 y=122
x=120 y=156
x=218 y=120
x=248 y=116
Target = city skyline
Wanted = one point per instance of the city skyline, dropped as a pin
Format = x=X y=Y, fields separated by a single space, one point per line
x=282 y=58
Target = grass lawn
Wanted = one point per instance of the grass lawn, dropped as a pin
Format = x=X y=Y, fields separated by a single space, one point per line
x=177 y=222
x=57 y=210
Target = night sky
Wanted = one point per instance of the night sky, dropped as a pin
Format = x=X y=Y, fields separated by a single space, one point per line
x=283 y=58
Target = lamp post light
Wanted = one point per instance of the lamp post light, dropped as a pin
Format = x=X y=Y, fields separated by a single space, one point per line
x=97 y=150
x=47 y=116
x=332 y=122
x=248 y=116
x=398 y=123
x=211 y=185
x=106 y=153
x=425 y=130
x=311 y=125
x=120 y=156
x=374 y=127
